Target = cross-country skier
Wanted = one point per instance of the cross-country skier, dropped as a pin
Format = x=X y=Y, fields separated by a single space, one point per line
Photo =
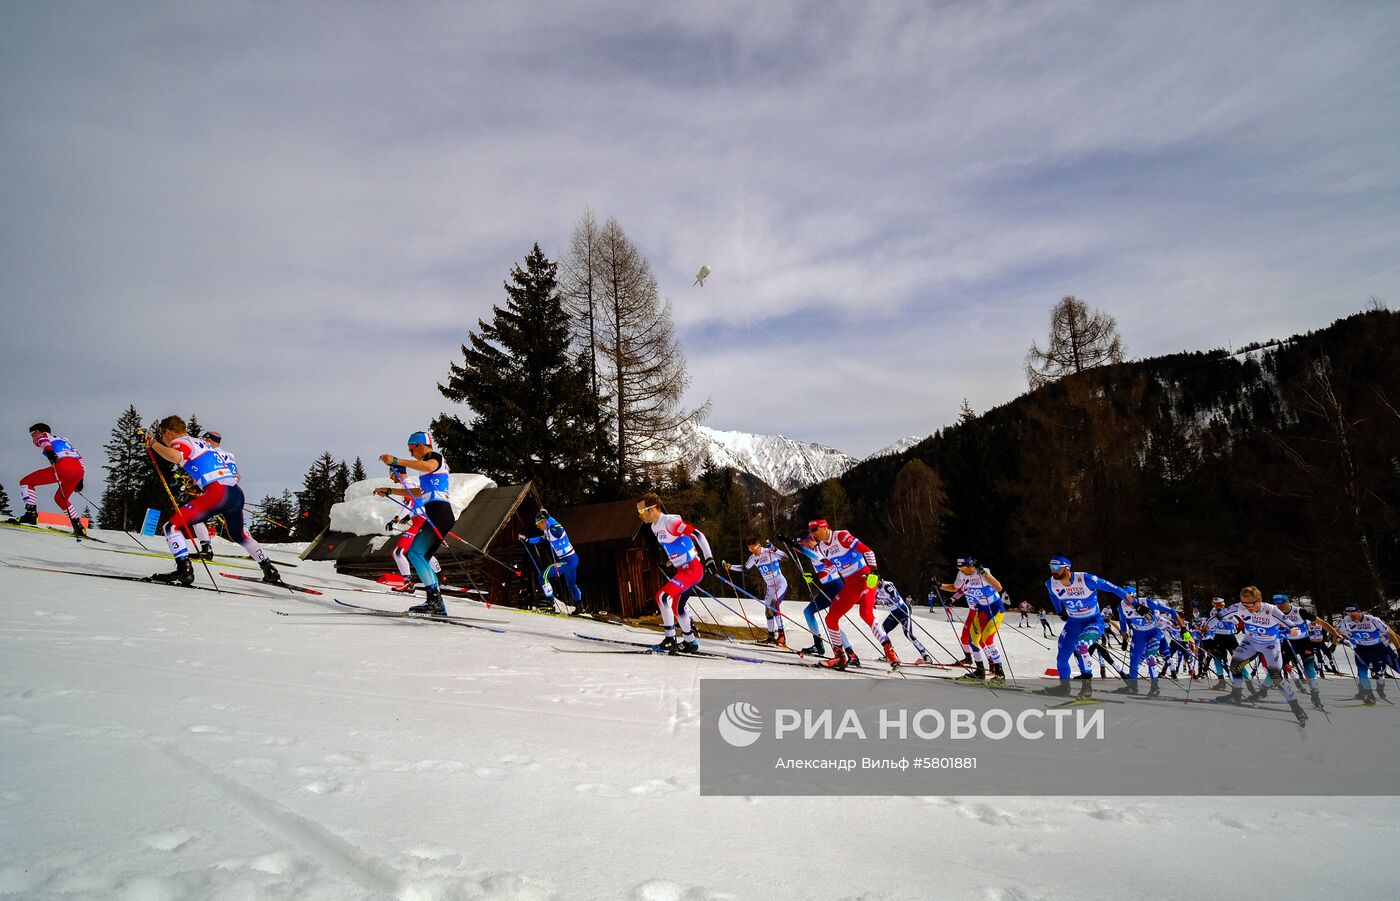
x=768 y=560
x=688 y=550
x=562 y=549
x=855 y=563
x=887 y=598
x=826 y=586
x=1261 y=623
x=1219 y=640
x=201 y=529
x=1076 y=599
x=1322 y=647
x=1367 y=635
x=413 y=520
x=1140 y=614
x=65 y=469
x=985 y=611
x=1298 y=644
x=216 y=478
x=1045 y=629
x=1025 y=609
x=434 y=491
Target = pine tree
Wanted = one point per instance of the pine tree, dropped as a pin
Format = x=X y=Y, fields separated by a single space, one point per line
x=965 y=413
x=340 y=481
x=317 y=496
x=357 y=472
x=132 y=486
x=534 y=413
x=278 y=517
x=193 y=427
x=5 y=502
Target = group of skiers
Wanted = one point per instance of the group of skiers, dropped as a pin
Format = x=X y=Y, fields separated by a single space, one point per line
x=840 y=570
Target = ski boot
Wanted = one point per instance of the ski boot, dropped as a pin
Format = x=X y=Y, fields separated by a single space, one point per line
x=1059 y=690
x=1368 y=697
x=967 y=659
x=1129 y=687
x=433 y=606
x=816 y=650
x=1219 y=685
x=890 y=655
x=688 y=644
x=1086 y=689
x=1083 y=677
x=998 y=674
x=78 y=530
x=1298 y=712
x=667 y=646
x=770 y=640
x=1380 y=689
x=407 y=586
x=838 y=659
x=1155 y=691
x=183 y=574
x=1236 y=697
x=852 y=661
x=781 y=641
x=928 y=658
x=978 y=674
x=273 y=577
x=1317 y=700
x=30 y=517
x=1261 y=695
x=206 y=550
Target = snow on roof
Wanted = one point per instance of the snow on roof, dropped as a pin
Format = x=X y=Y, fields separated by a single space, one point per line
x=362 y=513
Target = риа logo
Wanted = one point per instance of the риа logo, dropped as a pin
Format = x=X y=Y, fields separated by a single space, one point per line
x=740 y=724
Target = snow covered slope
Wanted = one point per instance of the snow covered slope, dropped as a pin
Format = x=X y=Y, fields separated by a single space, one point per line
x=163 y=744
x=783 y=463
x=898 y=447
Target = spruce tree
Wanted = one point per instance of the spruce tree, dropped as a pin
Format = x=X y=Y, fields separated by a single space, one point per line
x=315 y=498
x=5 y=502
x=277 y=518
x=132 y=486
x=534 y=414
x=193 y=427
x=357 y=472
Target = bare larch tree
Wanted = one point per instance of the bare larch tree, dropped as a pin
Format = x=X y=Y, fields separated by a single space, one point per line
x=1080 y=338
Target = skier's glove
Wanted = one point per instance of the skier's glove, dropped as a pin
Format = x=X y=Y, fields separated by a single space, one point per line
x=79 y=487
x=872 y=580
x=1064 y=617
x=710 y=566
x=389 y=526
x=1144 y=609
x=50 y=455
x=806 y=577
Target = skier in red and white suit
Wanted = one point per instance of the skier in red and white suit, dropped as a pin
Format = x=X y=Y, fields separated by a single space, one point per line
x=854 y=562
x=688 y=550
x=65 y=470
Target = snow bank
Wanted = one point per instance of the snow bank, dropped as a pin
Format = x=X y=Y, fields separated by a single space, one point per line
x=361 y=513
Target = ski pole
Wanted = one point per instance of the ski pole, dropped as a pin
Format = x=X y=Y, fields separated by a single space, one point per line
x=88 y=501
x=713 y=621
x=175 y=508
x=814 y=587
x=756 y=598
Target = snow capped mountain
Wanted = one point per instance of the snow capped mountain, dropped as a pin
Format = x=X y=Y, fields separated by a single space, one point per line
x=783 y=463
x=898 y=447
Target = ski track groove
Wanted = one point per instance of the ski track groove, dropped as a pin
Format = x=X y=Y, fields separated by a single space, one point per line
x=311 y=839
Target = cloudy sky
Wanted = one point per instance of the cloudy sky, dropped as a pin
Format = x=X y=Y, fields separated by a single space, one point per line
x=285 y=217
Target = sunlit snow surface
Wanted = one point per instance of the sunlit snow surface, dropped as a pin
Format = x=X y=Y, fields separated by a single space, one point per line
x=158 y=743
